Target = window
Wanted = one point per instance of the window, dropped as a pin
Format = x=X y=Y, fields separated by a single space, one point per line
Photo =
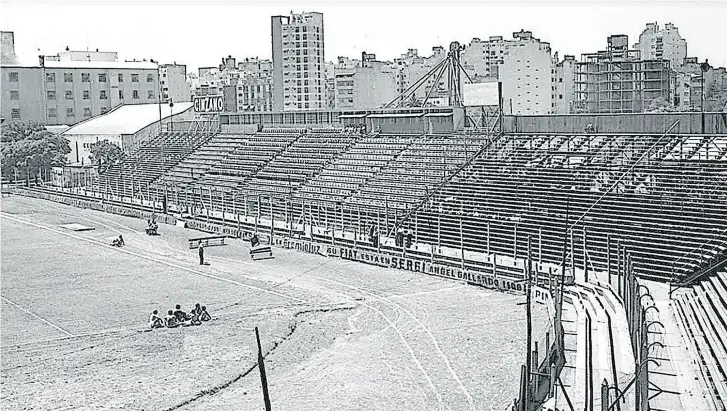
x=104 y=110
x=13 y=78
x=87 y=111
x=51 y=94
x=69 y=95
x=560 y=97
x=121 y=78
x=15 y=113
x=135 y=94
x=149 y=78
x=150 y=95
x=102 y=77
x=14 y=95
x=102 y=95
x=134 y=78
x=52 y=112
x=70 y=113
x=86 y=94
x=50 y=77
x=68 y=77
x=121 y=94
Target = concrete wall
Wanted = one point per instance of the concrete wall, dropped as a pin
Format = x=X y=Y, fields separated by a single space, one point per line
x=657 y=123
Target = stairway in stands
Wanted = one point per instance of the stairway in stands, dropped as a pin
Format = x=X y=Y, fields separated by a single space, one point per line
x=701 y=311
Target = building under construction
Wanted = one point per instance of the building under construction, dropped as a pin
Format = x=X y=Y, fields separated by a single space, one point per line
x=618 y=81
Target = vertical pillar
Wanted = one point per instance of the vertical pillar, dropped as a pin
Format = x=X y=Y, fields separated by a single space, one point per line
x=514 y=239
x=540 y=245
x=272 y=221
x=488 y=238
x=585 y=256
x=461 y=241
x=608 y=258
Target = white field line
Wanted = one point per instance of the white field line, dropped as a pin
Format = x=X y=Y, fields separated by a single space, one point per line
x=146 y=257
x=427 y=330
x=37 y=316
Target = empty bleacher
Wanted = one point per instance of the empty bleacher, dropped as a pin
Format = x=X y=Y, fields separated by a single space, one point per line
x=202 y=160
x=525 y=185
x=247 y=158
x=416 y=171
x=150 y=161
x=353 y=168
x=300 y=161
x=701 y=311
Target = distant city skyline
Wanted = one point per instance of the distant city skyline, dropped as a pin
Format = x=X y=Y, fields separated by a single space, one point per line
x=199 y=34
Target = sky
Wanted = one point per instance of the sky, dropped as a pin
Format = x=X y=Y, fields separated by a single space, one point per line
x=200 y=33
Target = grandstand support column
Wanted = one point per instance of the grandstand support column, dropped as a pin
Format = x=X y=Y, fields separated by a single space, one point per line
x=272 y=220
x=302 y=220
x=529 y=333
x=244 y=199
x=514 y=241
x=378 y=230
x=585 y=256
x=207 y=207
x=461 y=242
x=223 y=207
x=540 y=245
x=257 y=215
x=608 y=258
x=488 y=239
x=572 y=254
x=618 y=267
x=439 y=231
x=386 y=213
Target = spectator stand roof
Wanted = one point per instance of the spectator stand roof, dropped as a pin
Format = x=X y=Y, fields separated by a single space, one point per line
x=126 y=119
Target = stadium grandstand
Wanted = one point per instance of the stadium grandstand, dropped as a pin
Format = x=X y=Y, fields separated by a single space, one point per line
x=593 y=215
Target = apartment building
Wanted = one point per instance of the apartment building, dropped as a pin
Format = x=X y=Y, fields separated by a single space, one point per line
x=617 y=80
x=67 y=92
x=656 y=43
x=564 y=77
x=526 y=76
x=364 y=84
x=299 y=78
x=173 y=78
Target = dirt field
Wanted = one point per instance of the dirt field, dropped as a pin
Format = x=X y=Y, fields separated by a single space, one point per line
x=338 y=335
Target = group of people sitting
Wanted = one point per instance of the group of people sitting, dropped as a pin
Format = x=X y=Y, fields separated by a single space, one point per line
x=177 y=317
x=152 y=227
x=118 y=242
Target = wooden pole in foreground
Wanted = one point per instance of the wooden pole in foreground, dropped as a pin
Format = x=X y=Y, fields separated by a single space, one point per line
x=263 y=377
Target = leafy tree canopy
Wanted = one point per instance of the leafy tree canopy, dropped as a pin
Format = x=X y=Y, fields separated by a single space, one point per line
x=104 y=153
x=28 y=150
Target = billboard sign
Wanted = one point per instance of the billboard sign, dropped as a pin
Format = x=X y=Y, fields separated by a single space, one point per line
x=209 y=104
x=481 y=94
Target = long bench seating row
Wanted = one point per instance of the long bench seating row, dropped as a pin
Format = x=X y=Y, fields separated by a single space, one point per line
x=353 y=168
x=150 y=161
x=404 y=180
x=658 y=209
x=702 y=316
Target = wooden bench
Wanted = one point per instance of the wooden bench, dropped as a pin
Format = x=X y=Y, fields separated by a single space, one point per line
x=207 y=241
x=261 y=252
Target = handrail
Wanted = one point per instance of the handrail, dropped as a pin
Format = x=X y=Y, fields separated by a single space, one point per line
x=699 y=247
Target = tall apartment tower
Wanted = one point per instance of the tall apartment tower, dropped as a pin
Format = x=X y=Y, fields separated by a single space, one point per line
x=662 y=44
x=299 y=72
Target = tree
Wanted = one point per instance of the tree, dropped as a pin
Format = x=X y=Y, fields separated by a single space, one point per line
x=413 y=101
x=660 y=105
x=104 y=153
x=29 y=150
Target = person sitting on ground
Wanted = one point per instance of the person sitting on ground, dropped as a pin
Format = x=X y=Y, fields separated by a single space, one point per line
x=204 y=315
x=121 y=240
x=170 y=320
x=194 y=315
x=179 y=314
x=155 y=321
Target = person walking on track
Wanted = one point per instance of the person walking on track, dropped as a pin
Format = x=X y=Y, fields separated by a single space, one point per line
x=201 y=255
